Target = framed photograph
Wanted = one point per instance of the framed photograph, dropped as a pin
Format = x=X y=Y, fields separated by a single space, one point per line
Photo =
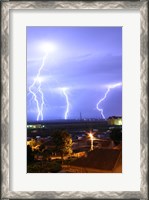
x=74 y=99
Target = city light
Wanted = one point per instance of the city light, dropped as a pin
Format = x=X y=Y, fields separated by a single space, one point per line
x=92 y=139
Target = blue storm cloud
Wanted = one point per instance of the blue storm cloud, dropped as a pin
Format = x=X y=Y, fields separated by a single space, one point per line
x=85 y=61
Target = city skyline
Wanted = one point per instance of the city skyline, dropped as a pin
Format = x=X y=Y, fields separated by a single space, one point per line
x=71 y=69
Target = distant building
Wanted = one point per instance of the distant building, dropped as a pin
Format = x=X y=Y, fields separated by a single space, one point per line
x=35 y=126
x=115 y=120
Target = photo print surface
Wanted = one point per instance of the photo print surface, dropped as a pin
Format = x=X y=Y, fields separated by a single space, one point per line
x=74 y=99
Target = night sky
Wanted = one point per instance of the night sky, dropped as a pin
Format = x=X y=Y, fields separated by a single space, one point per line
x=69 y=69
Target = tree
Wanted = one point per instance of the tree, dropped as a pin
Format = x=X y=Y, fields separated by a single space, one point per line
x=63 y=142
x=42 y=147
x=32 y=143
x=30 y=156
x=46 y=153
x=116 y=135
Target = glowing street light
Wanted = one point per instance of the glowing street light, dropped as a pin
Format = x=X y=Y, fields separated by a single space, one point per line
x=91 y=138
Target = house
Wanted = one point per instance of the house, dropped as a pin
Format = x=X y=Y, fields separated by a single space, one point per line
x=115 y=120
x=98 y=161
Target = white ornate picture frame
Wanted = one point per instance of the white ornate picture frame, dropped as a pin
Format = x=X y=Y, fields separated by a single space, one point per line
x=7 y=120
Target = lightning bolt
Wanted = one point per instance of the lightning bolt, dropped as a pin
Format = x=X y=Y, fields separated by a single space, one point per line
x=36 y=91
x=105 y=96
x=64 y=90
